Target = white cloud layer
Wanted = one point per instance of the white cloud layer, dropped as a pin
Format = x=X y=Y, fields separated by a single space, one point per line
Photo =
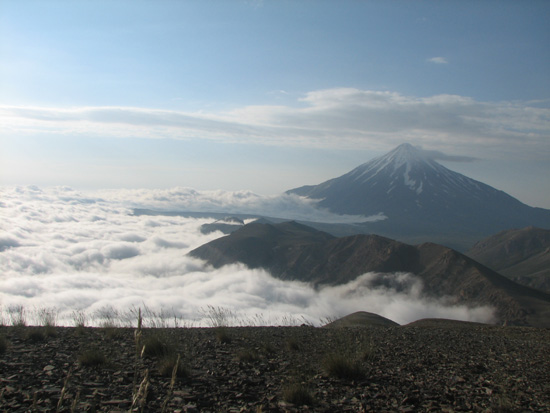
x=65 y=250
x=287 y=206
x=332 y=118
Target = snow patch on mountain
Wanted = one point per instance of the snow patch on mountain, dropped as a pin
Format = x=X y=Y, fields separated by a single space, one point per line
x=411 y=183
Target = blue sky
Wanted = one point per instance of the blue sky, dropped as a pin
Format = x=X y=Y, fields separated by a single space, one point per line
x=270 y=95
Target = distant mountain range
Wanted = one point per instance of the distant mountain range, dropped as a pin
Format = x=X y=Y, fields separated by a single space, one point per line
x=522 y=255
x=291 y=251
x=422 y=200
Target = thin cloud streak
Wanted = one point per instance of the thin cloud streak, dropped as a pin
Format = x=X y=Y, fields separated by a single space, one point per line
x=438 y=60
x=331 y=118
x=440 y=156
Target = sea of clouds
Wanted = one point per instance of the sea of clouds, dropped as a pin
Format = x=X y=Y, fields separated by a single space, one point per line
x=86 y=253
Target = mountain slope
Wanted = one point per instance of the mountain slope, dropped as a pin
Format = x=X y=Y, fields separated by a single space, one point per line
x=522 y=255
x=423 y=200
x=292 y=251
x=361 y=319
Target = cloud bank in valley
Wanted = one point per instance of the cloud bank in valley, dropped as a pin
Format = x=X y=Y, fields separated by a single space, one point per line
x=65 y=250
x=286 y=206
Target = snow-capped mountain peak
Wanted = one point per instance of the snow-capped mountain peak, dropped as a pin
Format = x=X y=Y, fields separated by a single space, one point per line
x=404 y=154
x=410 y=188
x=405 y=164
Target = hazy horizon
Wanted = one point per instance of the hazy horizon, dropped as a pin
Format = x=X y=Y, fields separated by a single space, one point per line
x=266 y=96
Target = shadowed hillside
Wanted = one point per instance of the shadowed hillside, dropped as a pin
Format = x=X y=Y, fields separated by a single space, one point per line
x=523 y=255
x=291 y=251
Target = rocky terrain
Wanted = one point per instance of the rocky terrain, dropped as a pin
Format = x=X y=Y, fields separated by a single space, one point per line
x=430 y=365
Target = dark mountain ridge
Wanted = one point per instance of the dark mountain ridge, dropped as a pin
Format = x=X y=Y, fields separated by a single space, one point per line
x=423 y=200
x=291 y=251
x=522 y=255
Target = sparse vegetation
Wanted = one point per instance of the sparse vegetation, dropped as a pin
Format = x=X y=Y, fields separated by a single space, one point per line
x=139 y=398
x=47 y=317
x=112 y=333
x=35 y=334
x=247 y=356
x=365 y=349
x=108 y=317
x=17 y=316
x=293 y=344
x=92 y=357
x=64 y=391
x=172 y=366
x=222 y=335
x=49 y=331
x=218 y=316
x=341 y=367
x=177 y=371
x=261 y=368
x=80 y=318
x=155 y=345
x=298 y=394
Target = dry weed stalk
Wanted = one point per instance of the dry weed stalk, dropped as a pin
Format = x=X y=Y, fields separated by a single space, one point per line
x=64 y=390
x=139 y=348
x=75 y=402
x=140 y=397
x=172 y=383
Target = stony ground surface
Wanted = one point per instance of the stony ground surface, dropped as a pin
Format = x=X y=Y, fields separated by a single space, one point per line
x=430 y=366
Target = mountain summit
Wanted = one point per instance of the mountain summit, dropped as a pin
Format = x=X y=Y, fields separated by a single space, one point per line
x=423 y=200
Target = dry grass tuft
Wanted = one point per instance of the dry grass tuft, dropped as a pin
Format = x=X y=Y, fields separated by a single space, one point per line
x=17 y=315
x=47 y=317
x=248 y=356
x=171 y=366
x=35 y=335
x=298 y=394
x=92 y=358
x=222 y=335
x=338 y=366
x=155 y=346
x=293 y=344
x=80 y=318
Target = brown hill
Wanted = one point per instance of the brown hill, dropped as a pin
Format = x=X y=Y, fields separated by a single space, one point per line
x=292 y=251
x=362 y=319
x=522 y=255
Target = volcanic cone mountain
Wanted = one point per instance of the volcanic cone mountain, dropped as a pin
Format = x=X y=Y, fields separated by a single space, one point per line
x=423 y=200
x=292 y=251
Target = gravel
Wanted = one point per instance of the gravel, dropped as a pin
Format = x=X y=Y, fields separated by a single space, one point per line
x=426 y=366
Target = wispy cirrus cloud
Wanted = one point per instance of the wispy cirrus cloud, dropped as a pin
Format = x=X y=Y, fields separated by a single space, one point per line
x=342 y=118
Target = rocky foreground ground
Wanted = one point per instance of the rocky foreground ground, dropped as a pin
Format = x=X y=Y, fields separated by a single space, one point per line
x=426 y=366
